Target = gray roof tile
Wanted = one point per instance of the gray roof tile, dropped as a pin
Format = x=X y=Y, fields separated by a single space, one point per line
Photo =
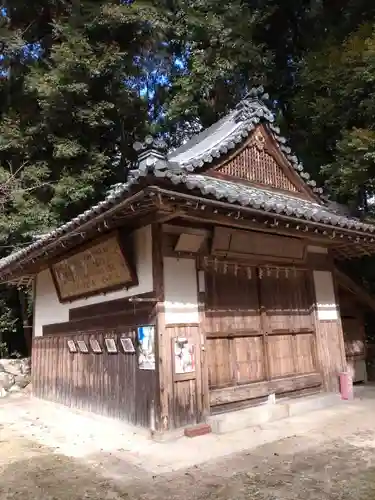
x=236 y=193
x=231 y=130
x=267 y=200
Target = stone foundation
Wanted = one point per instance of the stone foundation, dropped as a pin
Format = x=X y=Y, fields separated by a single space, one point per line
x=257 y=416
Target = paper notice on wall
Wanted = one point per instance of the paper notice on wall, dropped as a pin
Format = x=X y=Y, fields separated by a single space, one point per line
x=146 y=342
x=184 y=356
x=325 y=296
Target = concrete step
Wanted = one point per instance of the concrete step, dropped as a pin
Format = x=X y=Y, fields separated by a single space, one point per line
x=269 y=412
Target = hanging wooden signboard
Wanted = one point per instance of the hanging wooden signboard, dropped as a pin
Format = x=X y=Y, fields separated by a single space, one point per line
x=101 y=267
x=234 y=243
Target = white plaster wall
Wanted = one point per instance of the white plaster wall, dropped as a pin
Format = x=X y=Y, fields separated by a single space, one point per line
x=49 y=310
x=181 y=291
x=325 y=295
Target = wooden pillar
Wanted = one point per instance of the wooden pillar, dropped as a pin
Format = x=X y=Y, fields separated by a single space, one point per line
x=162 y=344
x=34 y=347
x=329 y=333
x=202 y=344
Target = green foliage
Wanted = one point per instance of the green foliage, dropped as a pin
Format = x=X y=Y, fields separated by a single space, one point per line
x=352 y=173
x=10 y=322
x=76 y=116
x=222 y=58
x=334 y=108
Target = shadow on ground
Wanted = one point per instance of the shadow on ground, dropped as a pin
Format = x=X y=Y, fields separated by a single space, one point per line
x=336 y=470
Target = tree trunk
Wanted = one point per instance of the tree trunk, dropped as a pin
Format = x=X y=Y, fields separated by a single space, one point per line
x=26 y=321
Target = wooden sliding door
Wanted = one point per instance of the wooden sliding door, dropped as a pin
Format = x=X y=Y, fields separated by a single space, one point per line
x=259 y=332
x=233 y=327
x=288 y=321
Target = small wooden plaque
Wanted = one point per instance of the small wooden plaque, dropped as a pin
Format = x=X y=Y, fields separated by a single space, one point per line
x=127 y=345
x=82 y=346
x=111 y=346
x=72 y=346
x=95 y=346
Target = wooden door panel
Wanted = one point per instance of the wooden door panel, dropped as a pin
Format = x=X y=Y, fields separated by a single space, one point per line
x=220 y=373
x=305 y=353
x=280 y=351
x=249 y=355
x=287 y=300
x=231 y=301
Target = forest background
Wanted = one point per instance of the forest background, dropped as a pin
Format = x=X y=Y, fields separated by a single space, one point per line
x=82 y=80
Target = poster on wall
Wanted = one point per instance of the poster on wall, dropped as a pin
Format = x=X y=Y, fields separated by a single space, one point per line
x=146 y=341
x=184 y=356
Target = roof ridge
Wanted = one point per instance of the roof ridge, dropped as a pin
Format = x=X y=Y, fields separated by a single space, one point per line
x=251 y=111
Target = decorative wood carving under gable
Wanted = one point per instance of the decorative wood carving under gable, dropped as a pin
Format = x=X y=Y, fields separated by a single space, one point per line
x=260 y=162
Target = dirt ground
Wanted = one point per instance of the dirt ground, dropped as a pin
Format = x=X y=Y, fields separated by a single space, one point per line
x=335 y=460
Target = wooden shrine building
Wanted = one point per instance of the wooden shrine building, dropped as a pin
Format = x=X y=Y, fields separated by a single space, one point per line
x=203 y=284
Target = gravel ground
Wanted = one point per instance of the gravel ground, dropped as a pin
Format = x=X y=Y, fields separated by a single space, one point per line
x=334 y=461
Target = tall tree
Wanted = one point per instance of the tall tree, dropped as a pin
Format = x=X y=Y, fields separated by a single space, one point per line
x=72 y=105
x=334 y=108
x=71 y=116
x=214 y=59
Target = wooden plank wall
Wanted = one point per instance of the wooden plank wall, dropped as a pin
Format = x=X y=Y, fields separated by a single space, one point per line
x=331 y=352
x=353 y=325
x=107 y=384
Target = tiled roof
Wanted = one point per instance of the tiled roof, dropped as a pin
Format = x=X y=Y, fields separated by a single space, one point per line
x=268 y=201
x=235 y=193
x=226 y=134
x=259 y=198
x=181 y=168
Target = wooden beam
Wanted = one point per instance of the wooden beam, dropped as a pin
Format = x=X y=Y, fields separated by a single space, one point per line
x=158 y=217
x=234 y=333
x=262 y=389
x=354 y=236
x=352 y=250
x=204 y=346
x=250 y=225
x=175 y=229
